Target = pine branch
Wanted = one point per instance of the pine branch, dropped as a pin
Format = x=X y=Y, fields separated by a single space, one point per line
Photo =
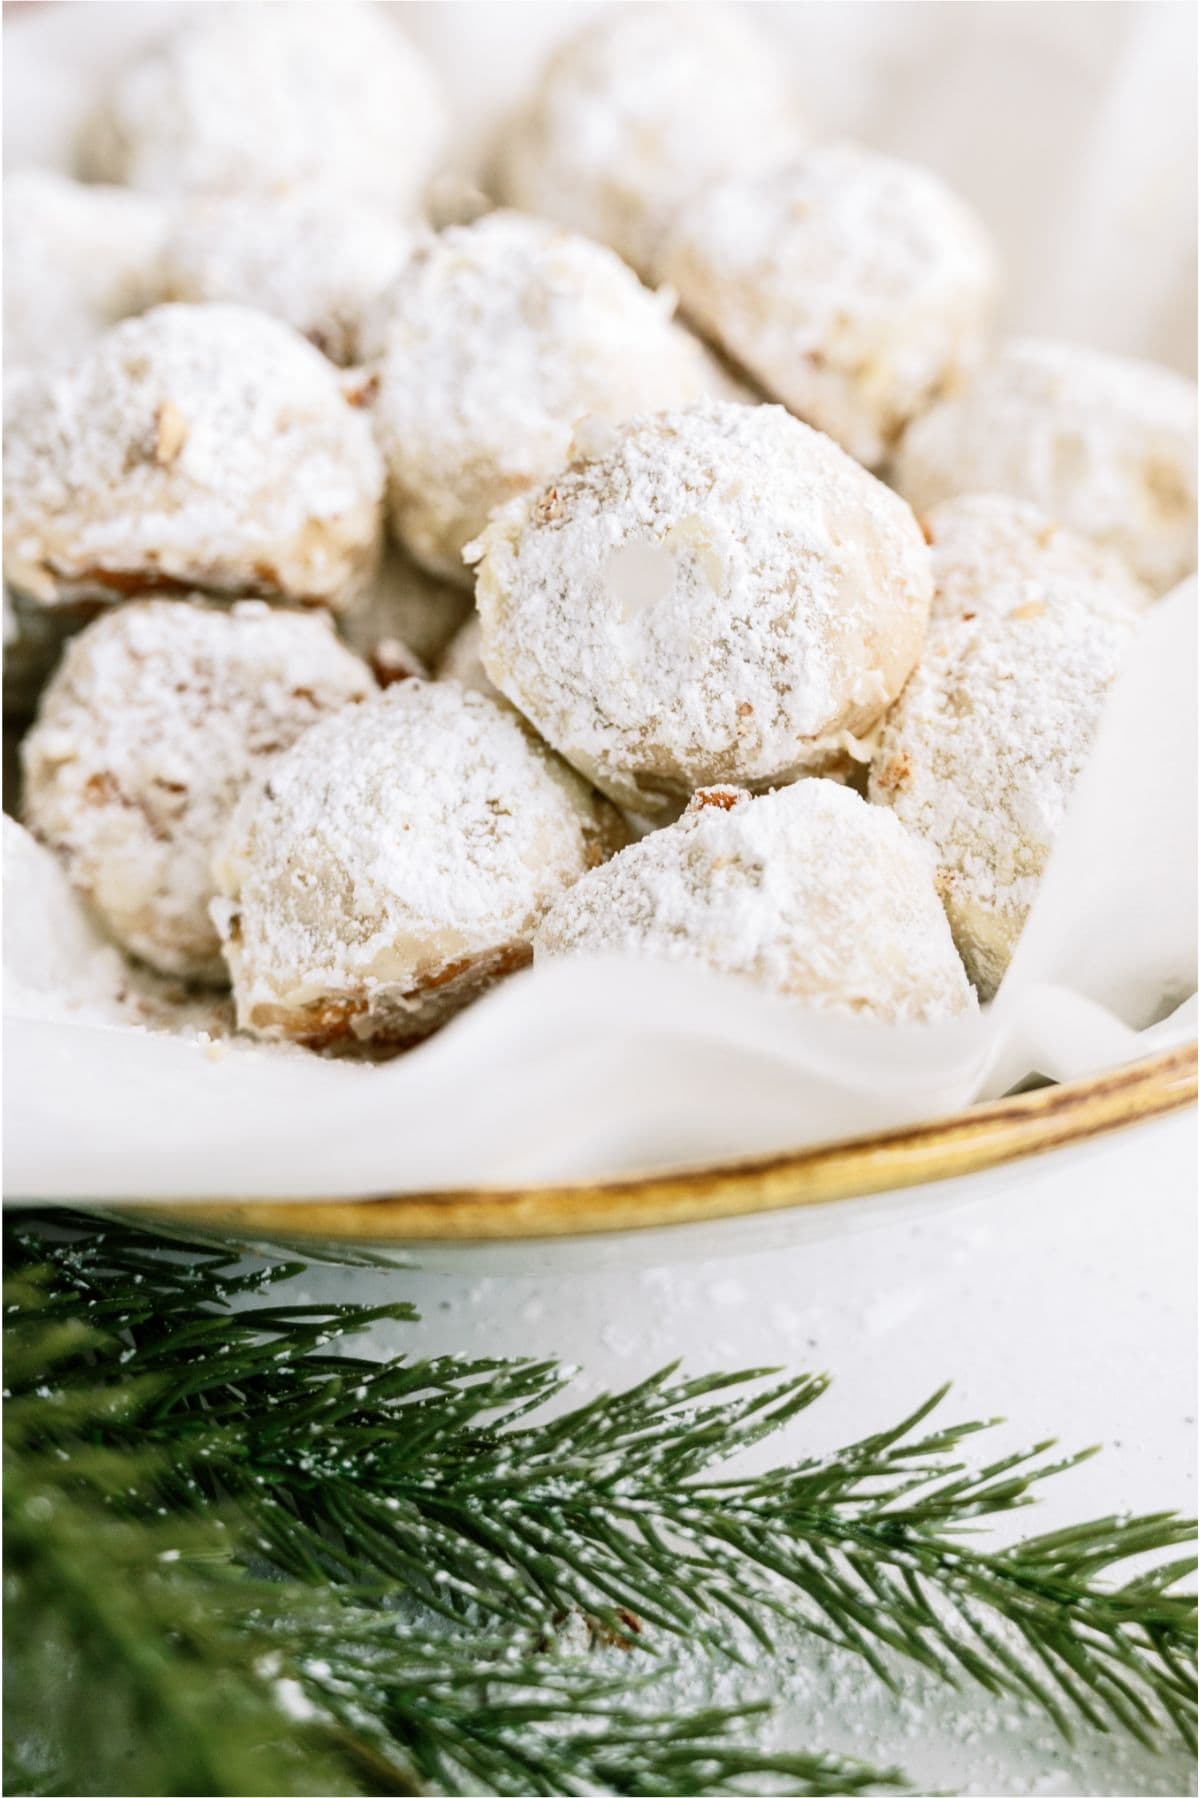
x=382 y=1475
x=140 y=1657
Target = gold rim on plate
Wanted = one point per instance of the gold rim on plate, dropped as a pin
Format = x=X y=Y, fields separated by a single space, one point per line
x=984 y=1136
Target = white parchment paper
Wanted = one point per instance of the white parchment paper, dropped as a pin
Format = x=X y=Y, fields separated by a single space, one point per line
x=1072 y=129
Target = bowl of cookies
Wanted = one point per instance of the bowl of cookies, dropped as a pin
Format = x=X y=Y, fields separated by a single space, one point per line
x=566 y=671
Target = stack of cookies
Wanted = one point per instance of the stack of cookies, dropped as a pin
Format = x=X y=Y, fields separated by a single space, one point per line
x=667 y=560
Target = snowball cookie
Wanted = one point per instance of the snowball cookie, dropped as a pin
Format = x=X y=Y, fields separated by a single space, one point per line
x=203 y=447
x=808 y=891
x=855 y=288
x=1105 y=445
x=714 y=594
x=644 y=108
x=395 y=864
x=313 y=258
x=274 y=95
x=990 y=553
x=76 y=259
x=500 y=336
x=158 y=717
x=981 y=751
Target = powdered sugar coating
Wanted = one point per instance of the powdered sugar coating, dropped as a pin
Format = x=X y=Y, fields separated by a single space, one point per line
x=76 y=259
x=638 y=112
x=1106 y=445
x=807 y=891
x=274 y=95
x=405 y=609
x=714 y=594
x=854 y=287
x=159 y=717
x=398 y=860
x=979 y=755
x=312 y=257
x=499 y=336
x=200 y=447
x=991 y=553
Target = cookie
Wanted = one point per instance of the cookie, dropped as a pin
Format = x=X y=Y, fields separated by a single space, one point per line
x=707 y=595
x=499 y=337
x=808 y=892
x=853 y=287
x=194 y=447
x=1105 y=445
x=160 y=714
x=396 y=864
x=979 y=755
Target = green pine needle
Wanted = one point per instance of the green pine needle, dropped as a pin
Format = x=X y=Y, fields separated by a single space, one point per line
x=148 y=1378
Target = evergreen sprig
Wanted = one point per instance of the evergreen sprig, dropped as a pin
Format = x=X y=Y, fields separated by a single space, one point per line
x=132 y=1667
x=155 y=1641
x=148 y=1378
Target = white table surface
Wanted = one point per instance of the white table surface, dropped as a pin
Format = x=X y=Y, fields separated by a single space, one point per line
x=1065 y=1302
